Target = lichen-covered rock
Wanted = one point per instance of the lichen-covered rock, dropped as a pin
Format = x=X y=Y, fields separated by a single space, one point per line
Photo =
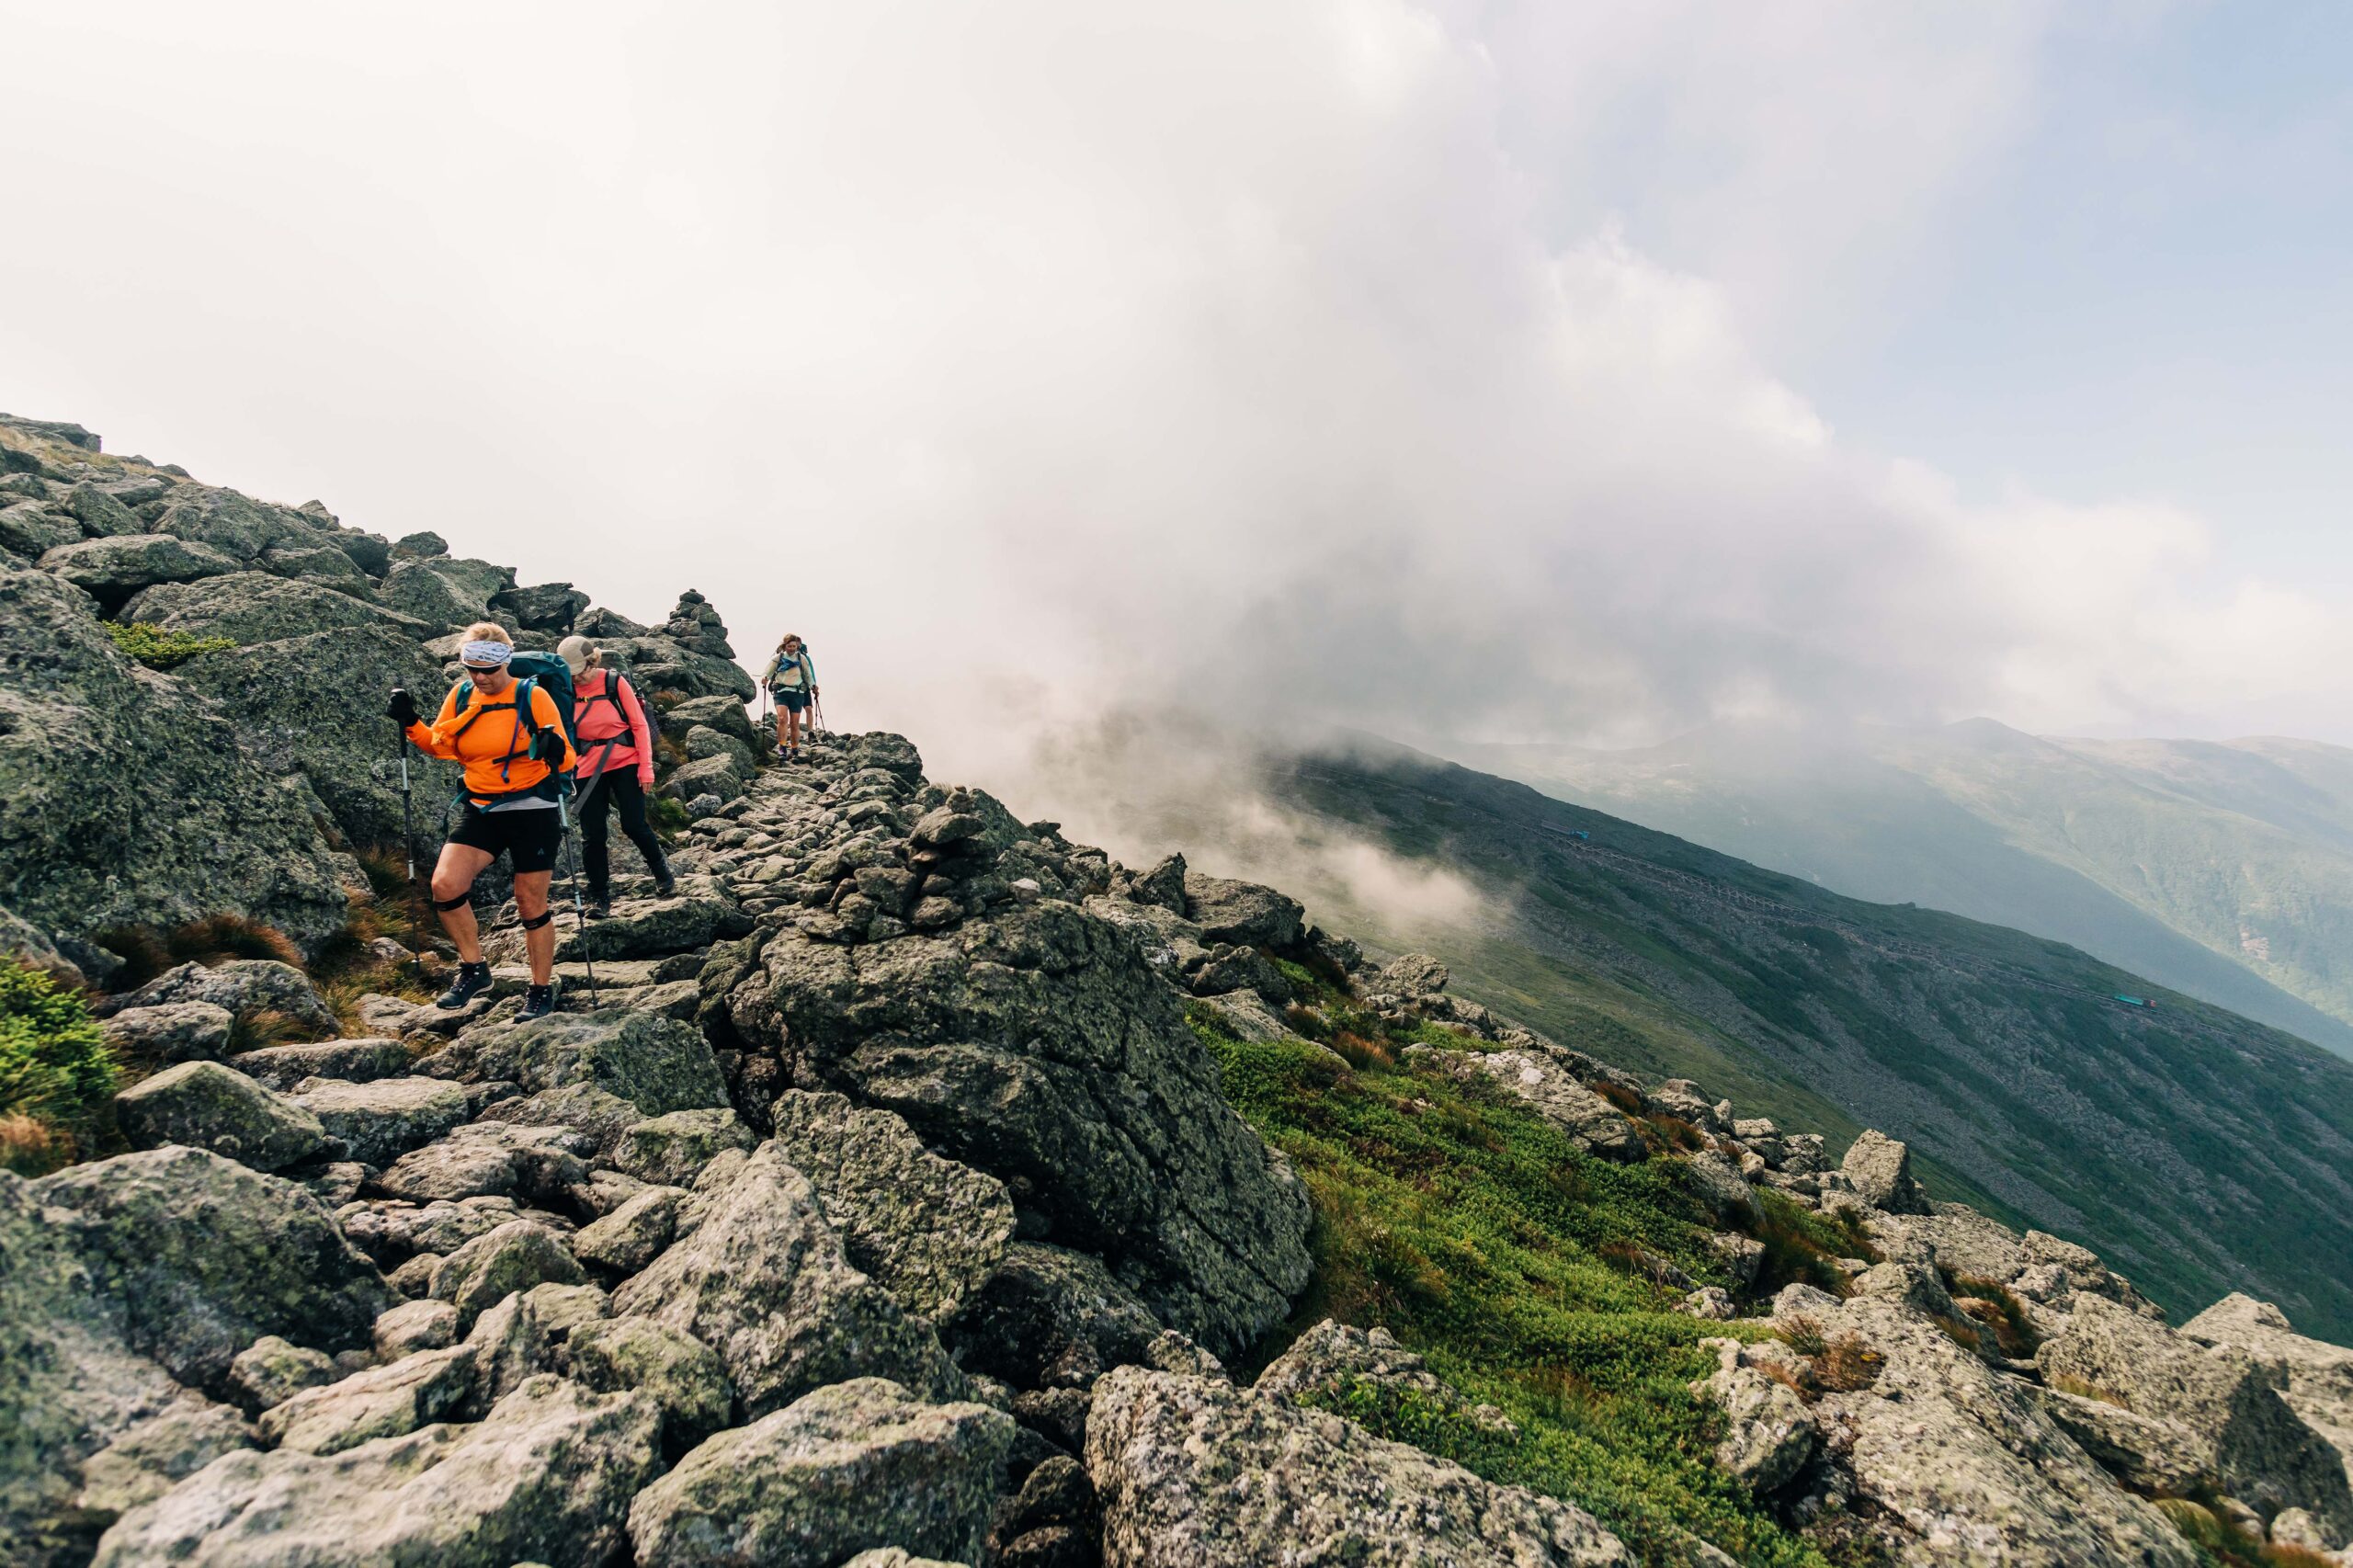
x=324 y=564
x=706 y=776
x=207 y=1106
x=542 y=607
x=1538 y=1077
x=518 y=1256
x=563 y=1309
x=852 y=1466
x=34 y=531
x=413 y=1326
x=1962 y=1462
x=71 y=1383
x=270 y=1371
x=258 y=607
x=1331 y=1357
x=677 y=1371
x=510 y=1345
x=175 y=1032
x=1880 y=1168
x=633 y=1234
x=1038 y=1045
x=235 y=525
x=2257 y=1450
x=763 y=1281
x=672 y=1150
x=100 y=515
x=1768 y=1432
x=204 y=1255
x=493 y=1158
x=927 y=1229
x=382 y=1119
x=110 y=570
x=2320 y=1375
x=89 y=742
x=157 y=1454
x=1047 y=1317
x=383 y=1401
x=703 y=912
x=547 y=1476
x=2150 y=1455
x=655 y=1065
x=1243 y=912
x=1192 y=1473
x=443 y=592
x=1413 y=974
x=290 y=696
x=247 y=988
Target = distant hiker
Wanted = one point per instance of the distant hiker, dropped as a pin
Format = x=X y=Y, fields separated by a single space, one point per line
x=516 y=759
x=616 y=768
x=793 y=679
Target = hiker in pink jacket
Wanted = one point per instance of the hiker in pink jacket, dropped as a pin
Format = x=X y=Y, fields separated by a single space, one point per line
x=616 y=769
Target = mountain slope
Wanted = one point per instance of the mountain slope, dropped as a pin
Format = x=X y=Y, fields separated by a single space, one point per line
x=2224 y=871
x=2202 y=1151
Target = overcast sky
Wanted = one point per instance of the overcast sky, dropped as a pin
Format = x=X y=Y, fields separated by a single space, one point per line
x=1494 y=372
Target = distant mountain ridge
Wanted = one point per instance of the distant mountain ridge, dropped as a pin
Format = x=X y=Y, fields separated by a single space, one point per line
x=2201 y=1147
x=2221 y=869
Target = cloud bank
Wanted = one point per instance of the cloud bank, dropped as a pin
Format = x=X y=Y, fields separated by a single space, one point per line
x=1291 y=363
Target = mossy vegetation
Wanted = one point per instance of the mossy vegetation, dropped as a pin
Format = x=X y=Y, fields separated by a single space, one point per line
x=56 y=1072
x=1527 y=1273
x=161 y=650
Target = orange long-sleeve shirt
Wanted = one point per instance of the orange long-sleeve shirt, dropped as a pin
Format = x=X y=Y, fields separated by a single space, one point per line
x=495 y=746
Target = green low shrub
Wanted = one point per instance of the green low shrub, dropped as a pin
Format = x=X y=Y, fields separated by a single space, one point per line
x=1491 y=1243
x=161 y=650
x=56 y=1072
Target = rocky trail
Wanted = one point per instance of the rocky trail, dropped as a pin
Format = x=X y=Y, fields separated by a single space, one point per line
x=888 y=1203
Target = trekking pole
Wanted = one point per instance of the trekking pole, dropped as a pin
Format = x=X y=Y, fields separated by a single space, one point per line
x=408 y=846
x=579 y=910
x=817 y=706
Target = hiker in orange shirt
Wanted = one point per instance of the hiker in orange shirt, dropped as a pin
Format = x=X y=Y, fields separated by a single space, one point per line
x=517 y=764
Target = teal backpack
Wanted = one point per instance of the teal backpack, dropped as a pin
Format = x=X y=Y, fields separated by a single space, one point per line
x=530 y=670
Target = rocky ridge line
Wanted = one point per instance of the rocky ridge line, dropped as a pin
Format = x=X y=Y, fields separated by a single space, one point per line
x=883 y=1209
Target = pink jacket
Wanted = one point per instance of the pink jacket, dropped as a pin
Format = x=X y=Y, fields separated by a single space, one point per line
x=618 y=719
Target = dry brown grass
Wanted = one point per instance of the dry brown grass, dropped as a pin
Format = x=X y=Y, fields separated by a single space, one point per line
x=1803 y=1334
x=1619 y=1095
x=2083 y=1389
x=1846 y=1364
x=1959 y=1332
x=31 y=1148
x=1998 y=1307
x=1678 y=1133
x=1358 y=1052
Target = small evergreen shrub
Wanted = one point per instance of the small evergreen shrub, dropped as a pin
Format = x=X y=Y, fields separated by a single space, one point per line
x=56 y=1071
x=161 y=650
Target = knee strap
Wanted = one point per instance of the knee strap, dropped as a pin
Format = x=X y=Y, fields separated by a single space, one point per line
x=447 y=905
x=539 y=920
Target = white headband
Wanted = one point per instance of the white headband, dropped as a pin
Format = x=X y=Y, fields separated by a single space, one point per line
x=486 y=653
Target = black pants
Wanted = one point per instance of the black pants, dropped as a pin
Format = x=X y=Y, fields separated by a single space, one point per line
x=617 y=787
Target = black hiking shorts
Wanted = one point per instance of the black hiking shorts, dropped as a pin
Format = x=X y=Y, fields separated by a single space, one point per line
x=793 y=697
x=527 y=839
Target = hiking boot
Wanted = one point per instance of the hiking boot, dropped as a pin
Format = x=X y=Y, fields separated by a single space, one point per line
x=599 y=909
x=537 y=1003
x=471 y=981
x=665 y=885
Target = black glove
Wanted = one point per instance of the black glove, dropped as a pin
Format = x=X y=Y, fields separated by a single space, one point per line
x=548 y=746
x=402 y=707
